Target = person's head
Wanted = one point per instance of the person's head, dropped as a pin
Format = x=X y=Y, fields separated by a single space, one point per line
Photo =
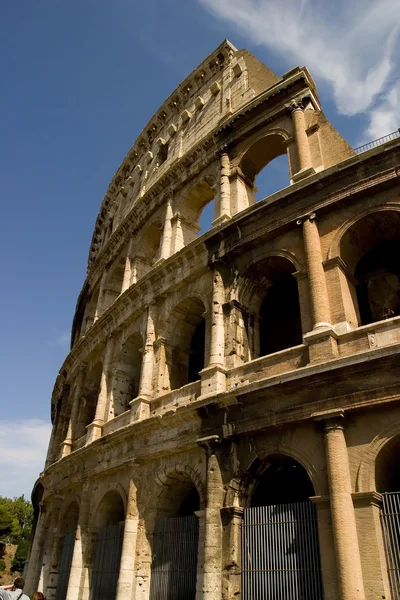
x=19 y=583
x=38 y=596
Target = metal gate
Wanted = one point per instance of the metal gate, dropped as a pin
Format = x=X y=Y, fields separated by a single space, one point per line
x=106 y=562
x=174 y=566
x=280 y=553
x=65 y=566
x=390 y=517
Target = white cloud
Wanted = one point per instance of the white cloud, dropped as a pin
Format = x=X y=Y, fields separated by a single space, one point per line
x=349 y=45
x=61 y=339
x=23 y=447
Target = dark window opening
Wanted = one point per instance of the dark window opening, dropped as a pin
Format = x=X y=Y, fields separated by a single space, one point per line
x=197 y=349
x=378 y=289
x=280 y=322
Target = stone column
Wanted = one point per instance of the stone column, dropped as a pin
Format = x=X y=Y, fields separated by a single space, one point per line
x=322 y=340
x=66 y=445
x=347 y=550
x=212 y=571
x=77 y=574
x=300 y=136
x=167 y=232
x=213 y=377
x=95 y=428
x=126 y=282
x=177 y=233
x=55 y=550
x=140 y=406
x=223 y=210
x=32 y=573
x=100 y=300
x=126 y=579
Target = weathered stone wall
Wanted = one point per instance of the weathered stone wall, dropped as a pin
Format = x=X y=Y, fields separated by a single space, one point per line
x=169 y=389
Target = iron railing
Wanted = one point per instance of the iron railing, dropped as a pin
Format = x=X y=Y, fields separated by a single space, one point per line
x=378 y=142
x=390 y=516
x=280 y=553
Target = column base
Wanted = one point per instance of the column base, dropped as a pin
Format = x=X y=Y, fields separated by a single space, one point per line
x=140 y=408
x=322 y=343
x=66 y=448
x=94 y=431
x=221 y=219
x=302 y=174
x=213 y=380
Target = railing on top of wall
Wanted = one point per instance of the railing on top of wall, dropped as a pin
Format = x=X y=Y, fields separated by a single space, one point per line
x=378 y=142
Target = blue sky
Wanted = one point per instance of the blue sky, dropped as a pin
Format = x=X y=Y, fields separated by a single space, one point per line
x=80 y=79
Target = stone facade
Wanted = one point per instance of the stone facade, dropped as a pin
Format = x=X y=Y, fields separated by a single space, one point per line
x=202 y=364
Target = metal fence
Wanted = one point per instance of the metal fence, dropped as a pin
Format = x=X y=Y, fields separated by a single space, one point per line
x=280 y=553
x=378 y=142
x=65 y=566
x=390 y=517
x=106 y=562
x=174 y=565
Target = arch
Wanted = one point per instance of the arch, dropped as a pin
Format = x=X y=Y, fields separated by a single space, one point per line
x=166 y=477
x=269 y=292
x=113 y=283
x=90 y=394
x=150 y=245
x=366 y=477
x=126 y=375
x=186 y=351
x=190 y=210
x=110 y=509
x=258 y=154
x=368 y=246
x=90 y=310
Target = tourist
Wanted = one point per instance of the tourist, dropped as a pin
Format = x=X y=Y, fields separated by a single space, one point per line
x=14 y=592
x=38 y=596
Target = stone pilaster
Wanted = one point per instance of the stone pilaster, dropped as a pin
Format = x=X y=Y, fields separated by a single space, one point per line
x=140 y=408
x=127 y=279
x=77 y=574
x=100 y=300
x=51 y=556
x=349 y=572
x=232 y=519
x=211 y=582
x=322 y=341
x=32 y=573
x=177 y=241
x=213 y=377
x=94 y=429
x=66 y=445
x=126 y=579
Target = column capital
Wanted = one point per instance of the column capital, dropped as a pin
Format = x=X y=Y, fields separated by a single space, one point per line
x=309 y=217
x=331 y=419
x=209 y=443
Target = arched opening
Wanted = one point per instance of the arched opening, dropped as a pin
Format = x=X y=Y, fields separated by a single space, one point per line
x=280 y=546
x=186 y=354
x=196 y=212
x=90 y=310
x=108 y=547
x=65 y=550
x=369 y=249
x=279 y=323
x=113 y=285
x=262 y=153
x=150 y=245
x=175 y=543
x=88 y=401
x=387 y=482
x=126 y=375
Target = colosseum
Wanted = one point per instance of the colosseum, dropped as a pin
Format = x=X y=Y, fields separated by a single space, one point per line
x=226 y=424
